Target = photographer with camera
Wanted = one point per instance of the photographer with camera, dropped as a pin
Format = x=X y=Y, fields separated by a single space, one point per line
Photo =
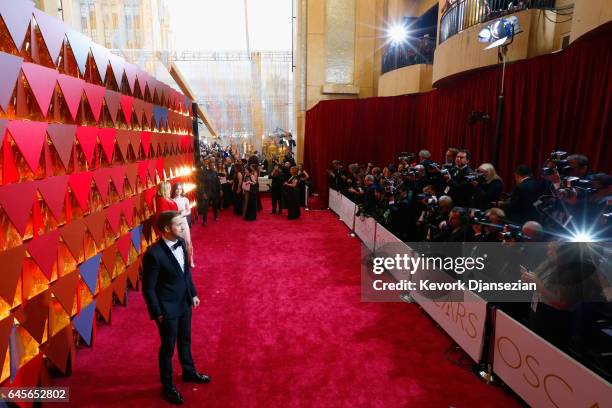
x=337 y=179
x=459 y=186
x=519 y=206
x=457 y=229
x=488 y=187
x=487 y=225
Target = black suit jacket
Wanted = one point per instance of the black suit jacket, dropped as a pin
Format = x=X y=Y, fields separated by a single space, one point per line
x=520 y=207
x=167 y=290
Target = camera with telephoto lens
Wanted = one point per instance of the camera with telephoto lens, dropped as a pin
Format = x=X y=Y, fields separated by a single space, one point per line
x=559 y=160
x=514 y=233
x=446 y=168
x=475 y=176
x=574 y=187
x=478 y=217
x=429 y=200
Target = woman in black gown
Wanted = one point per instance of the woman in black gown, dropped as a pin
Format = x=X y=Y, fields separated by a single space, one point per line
x=303 y=180
x=292 y=195
x=237 y=189
x=251 y=196
x=251 y=189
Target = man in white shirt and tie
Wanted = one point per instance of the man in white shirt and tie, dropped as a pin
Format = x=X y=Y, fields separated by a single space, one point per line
x=170 y=294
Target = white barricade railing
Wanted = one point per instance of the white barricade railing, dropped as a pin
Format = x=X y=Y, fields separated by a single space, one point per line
x=365 y=228
x=463 y=320
x=347 y=212
x=540 y=373
x=335 y=198
x=387 y=242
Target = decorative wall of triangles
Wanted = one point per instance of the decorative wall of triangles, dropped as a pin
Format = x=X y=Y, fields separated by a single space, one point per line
x=84 y=138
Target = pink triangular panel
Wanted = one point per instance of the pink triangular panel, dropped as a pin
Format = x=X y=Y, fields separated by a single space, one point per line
x=95 y=96
x=9 y=66
x=42 y=82
x=29 y=137
x=53 y=32
x=72 y=89
x=17 y=19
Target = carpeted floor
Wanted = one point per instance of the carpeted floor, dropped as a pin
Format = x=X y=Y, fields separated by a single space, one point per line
x=281 y=325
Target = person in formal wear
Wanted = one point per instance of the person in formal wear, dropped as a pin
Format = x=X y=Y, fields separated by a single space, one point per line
x=184 y=208
x=292 y=192
x=303 y=177
x=519 y=207
x=211 y=191
x=170 y=295
x=276 y=188
x=163 y=199
x=237 y=192
x=488 y=190
x=250 y=186
x=226 y=188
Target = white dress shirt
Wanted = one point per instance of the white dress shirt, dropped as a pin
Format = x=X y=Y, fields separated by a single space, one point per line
x=178 y=253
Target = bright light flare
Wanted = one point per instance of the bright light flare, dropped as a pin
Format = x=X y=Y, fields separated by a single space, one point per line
x=397 y=33
x=582 y=237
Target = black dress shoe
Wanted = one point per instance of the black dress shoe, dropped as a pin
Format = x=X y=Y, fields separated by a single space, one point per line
x=196 y=378
x=172 y=395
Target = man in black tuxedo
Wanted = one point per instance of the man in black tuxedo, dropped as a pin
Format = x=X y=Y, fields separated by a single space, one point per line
x=211 y=190
x=170 y=294
x=519 y=207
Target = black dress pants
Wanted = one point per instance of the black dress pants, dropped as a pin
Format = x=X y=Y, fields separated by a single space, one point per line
x=171 y=332
x=214 y=202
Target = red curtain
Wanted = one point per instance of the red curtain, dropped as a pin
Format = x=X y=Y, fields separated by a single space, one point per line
x=557 y=101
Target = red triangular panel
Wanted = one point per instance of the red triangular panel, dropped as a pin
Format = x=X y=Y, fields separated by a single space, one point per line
x=102 y=179
x=43 y=250
x=73 y=235
x=62 y=137
x=72 y=89
x=107 y=140
x=95 y=97
x=53 y=191
x=80 y=184
x=88 y=139
x=95 y=224
x=29 y=137
x=11 y=261
x=112 y=99
x=126 y=106
x=16 y=200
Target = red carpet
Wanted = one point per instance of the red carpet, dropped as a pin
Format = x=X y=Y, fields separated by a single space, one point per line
x=281 y=325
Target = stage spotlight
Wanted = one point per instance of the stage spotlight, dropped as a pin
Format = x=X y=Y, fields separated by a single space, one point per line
x=398 y=34
x=499 y=31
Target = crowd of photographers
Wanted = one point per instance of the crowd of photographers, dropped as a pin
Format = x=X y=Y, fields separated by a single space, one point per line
x=420 y=200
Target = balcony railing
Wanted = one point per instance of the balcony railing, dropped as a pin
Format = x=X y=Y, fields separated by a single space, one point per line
x=415 y=51
x=462 y=14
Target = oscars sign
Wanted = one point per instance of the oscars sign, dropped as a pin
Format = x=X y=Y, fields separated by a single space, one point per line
x=541 y=374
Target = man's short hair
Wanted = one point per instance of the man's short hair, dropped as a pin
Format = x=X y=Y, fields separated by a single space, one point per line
x=468 y=155
x=165 y=219
x=453 y=150
x=581 y=159
x=425 y=154
x=523 y=170
x=370 y=178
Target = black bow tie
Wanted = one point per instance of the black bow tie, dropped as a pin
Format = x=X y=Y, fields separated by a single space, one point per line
x=179 y=243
